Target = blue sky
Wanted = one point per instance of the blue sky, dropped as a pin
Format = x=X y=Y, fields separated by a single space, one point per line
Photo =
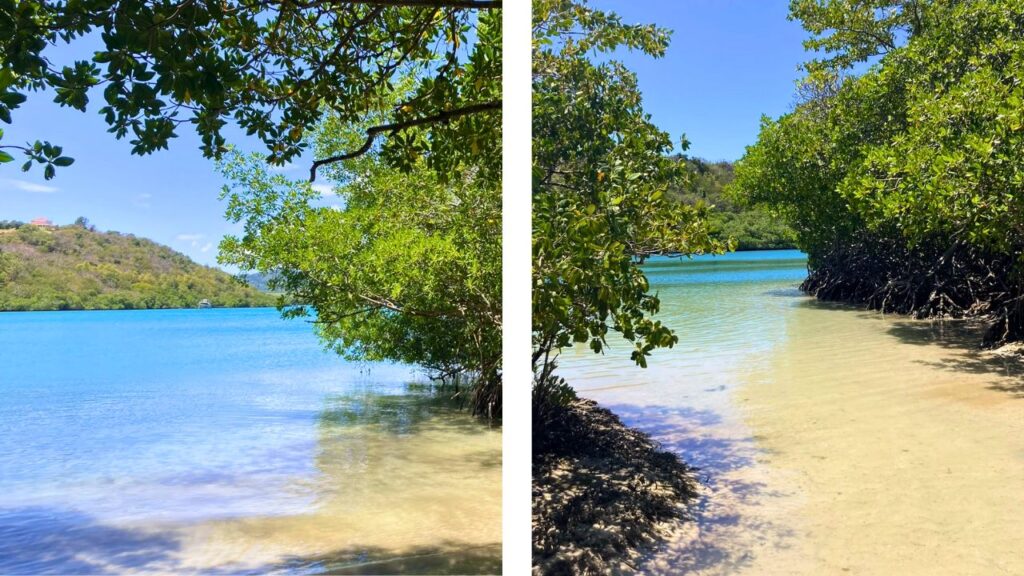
x=730 y=61
x=171 y=196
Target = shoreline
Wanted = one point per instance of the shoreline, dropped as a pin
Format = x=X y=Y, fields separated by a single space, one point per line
x=603 y=492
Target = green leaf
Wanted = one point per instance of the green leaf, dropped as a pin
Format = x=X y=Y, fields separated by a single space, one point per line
x=12 y=99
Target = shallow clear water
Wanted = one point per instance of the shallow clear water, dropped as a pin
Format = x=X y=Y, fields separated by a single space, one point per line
x=726 y=311
x=830 y=440
x=228 y=440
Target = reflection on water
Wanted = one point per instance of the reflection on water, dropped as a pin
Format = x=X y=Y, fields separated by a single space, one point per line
x=405 y=482
x=264 y=456
x=831 y=440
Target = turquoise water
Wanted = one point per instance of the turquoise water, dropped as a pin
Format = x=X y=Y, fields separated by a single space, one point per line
x=114 y=423
x=727 y=311
x=732 y=314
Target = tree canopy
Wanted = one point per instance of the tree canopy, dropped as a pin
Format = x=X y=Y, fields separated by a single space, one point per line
x=908 y=142
x=401 y=265
x=601 y=174
x=399 y=103
x=272 y=68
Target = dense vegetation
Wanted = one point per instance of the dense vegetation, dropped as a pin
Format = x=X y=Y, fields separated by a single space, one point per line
x=748 y=227
x=600 y=177
x=903 y=178
x=77 y=268
x=272 y=68
x=601 y=205
x=407 y=269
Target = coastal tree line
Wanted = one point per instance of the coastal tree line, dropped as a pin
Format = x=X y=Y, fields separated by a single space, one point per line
x=901 y=169
x=606 y=195
x=748 y=226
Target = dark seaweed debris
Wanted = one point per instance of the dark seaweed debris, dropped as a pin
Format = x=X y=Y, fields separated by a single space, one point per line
x=601 y=491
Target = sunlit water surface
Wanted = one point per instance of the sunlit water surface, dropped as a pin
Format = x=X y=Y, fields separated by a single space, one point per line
x=830 y=440
x=228 y=441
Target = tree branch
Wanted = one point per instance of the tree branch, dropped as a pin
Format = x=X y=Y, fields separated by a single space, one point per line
x=373 y=132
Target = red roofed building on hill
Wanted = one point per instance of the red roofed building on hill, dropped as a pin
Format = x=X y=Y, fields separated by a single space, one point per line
x=44 y=222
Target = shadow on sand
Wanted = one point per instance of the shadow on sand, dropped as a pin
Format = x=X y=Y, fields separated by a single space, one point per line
x=39 y=540
x=963 y=337
x=446 y=558
x=725 y=517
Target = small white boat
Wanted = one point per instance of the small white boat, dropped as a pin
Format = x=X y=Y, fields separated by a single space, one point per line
x=204 y=303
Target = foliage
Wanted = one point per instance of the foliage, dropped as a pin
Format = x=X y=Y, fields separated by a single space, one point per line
x=849 y=32
x=747 y=227
x=74 y=268
x=272 y=68
x=600 y=176
x=925 y=148
x=400 y=265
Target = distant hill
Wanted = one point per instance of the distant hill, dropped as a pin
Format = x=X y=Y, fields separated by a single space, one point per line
x=77 y=268
x=260 y=281
x=753 y=228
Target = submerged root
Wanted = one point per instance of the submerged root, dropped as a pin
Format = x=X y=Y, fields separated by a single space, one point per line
x=931 y=280
x=479 y=394
x=601 y=491
x=1008 y=327
x=486 y=399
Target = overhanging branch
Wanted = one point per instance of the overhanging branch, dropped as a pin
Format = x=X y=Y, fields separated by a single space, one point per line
x=373 y=132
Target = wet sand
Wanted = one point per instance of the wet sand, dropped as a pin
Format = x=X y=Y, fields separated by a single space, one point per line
x=830 y=440
x=873 y=446
x=905 y=446
x=398 y=486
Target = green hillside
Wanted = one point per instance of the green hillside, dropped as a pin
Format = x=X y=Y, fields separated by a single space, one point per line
x=77 y=268
x=752 y=227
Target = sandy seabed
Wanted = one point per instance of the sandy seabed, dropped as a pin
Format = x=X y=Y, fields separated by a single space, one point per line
x=881 y=446
x=855 y=444
x=427 y=502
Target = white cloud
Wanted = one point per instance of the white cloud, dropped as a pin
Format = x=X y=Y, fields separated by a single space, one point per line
x=193 y=240
x=206 y=247
x=142 y=200
x=323 y=189
x=286 y=168
x=27 y=186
